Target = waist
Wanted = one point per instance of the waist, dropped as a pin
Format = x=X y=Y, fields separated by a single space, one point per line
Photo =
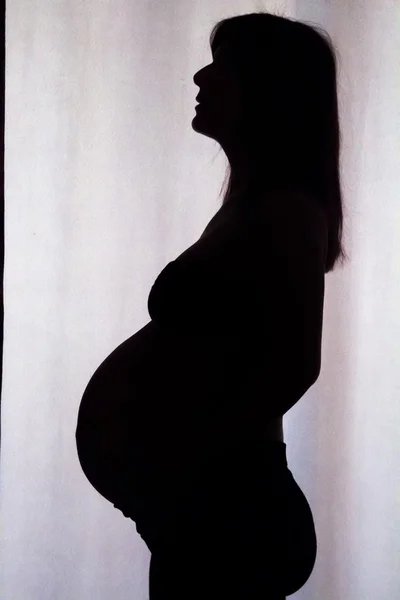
x=257 y=432
x=254 y=429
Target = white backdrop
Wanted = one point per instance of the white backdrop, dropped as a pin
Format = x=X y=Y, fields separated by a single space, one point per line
x=106 y=182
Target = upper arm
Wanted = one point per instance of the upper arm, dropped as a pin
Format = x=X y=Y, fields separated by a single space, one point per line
x=291 y=242
x=293 y=231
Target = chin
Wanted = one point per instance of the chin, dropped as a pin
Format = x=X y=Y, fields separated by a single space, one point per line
x=201 y=127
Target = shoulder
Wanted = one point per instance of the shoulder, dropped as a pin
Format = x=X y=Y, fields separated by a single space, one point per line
x=292 y=222
x=290 y=207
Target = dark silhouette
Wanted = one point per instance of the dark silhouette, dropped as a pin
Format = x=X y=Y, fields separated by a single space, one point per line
x=181 y=426
x=2 y=146
x=286 y=108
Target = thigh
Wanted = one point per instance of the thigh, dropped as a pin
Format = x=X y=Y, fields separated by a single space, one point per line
x=300 y=541
x=182 y=576
x=234 y=527
x=226 y=542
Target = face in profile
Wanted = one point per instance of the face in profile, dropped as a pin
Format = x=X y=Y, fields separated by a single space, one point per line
x=218 y=111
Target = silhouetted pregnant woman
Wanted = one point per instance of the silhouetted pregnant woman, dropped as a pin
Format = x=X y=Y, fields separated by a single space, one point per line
x=181 y=426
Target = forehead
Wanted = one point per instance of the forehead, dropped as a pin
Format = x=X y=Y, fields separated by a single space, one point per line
x=223 y=51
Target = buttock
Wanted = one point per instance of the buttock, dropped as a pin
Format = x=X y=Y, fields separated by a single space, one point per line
x=239 y=505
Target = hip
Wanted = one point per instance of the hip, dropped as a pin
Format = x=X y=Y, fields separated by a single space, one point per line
x=244 y=496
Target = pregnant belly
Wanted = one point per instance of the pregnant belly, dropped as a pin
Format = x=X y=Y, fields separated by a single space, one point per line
x=160 y=395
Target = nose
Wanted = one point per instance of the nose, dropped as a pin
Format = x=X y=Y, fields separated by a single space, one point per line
x=197 y=78
x=201 y=85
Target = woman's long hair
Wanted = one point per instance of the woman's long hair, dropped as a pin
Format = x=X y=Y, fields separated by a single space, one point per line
x=290 y=119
